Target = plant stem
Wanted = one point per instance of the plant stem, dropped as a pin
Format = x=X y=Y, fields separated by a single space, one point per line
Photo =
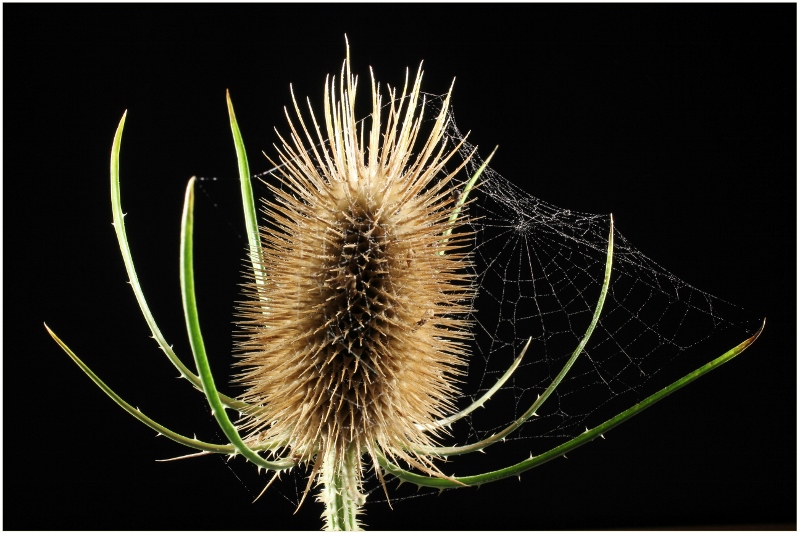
x=341 y=492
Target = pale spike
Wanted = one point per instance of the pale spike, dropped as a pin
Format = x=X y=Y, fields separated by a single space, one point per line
x=198 y=454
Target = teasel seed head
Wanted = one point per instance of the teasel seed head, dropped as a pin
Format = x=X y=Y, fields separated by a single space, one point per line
x=355 y=327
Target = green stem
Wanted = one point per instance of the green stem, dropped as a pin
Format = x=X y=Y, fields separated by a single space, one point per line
x=341 y=492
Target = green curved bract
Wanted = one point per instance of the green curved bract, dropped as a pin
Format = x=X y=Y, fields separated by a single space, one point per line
x=196 y=338
x=248 y=201
x=136 y=413
x=479 y=446
x=589 y=435
x=122 y=239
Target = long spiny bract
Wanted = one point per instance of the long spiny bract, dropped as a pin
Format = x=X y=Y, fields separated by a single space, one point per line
x=355 y=324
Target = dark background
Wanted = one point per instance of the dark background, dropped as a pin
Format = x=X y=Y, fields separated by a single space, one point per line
x=679 y=119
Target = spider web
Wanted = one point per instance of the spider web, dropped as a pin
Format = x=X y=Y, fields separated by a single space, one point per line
x=539 y=270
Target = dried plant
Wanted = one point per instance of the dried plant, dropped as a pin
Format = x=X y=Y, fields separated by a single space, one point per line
x=355 y=326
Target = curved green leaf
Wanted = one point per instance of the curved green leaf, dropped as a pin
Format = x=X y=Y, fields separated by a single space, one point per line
x=444 y=422
x=457 y=450
x=162 y=430
x=196 y=338
x=587 y=436
x=248 y=202
x=122 y=239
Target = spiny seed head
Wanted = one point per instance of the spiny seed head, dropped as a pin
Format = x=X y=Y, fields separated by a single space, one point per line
x=354 y=330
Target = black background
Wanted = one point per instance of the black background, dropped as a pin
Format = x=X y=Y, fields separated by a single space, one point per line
x=679 y=119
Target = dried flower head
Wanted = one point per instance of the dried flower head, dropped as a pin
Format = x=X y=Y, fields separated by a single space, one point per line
x=354 y=327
